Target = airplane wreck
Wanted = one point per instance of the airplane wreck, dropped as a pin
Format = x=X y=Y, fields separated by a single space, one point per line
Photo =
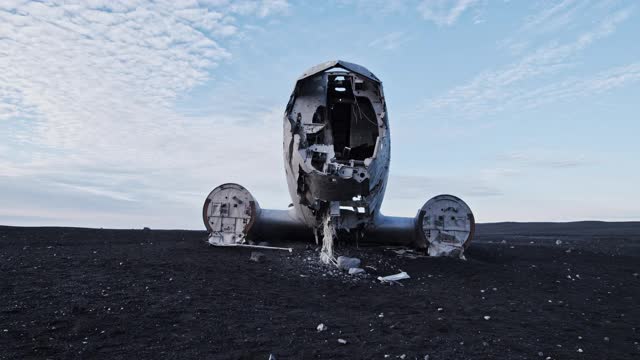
x=336 y=150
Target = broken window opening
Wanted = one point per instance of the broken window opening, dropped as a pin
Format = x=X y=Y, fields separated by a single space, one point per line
x=318 y=115
x=318 y=160
x=353 y=120
x=317 y=138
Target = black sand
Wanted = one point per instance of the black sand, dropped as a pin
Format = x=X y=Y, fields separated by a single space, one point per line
x=70 y=293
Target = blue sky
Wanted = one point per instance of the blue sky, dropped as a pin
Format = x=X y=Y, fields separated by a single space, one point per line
x=126 y=114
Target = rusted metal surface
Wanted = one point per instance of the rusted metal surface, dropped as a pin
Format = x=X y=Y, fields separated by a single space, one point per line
x=336 y=149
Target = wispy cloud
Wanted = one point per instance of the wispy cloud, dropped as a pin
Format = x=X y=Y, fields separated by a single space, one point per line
x=88 y=85
x=390 y=41
x=494 y=90
x=444 y=12
x=70 y=59
x=261 y=8
x=545 y=158
x=411 y=186
x=97 y=190
x=551 y=16
x=378 y=7
x=440 y=12
x=576 y=87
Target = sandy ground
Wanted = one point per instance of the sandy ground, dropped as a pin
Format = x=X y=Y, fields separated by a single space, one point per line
x=70 y=293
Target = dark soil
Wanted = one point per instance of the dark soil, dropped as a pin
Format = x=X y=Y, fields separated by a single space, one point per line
x=70 y=293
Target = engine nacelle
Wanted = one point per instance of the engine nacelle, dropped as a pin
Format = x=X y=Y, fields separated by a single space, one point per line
x=229 y=213
x=445 y=226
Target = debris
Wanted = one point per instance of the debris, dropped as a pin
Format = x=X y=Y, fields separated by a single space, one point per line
x=346 y=263
x=606 y=338
x=272 y=357
x=407 y=253
x=487 y=317
x=396 y=277
x=212 y=242
x=371 y=267
x=580 y=350
x=381 y=315
x=445 y=249
x=328 y=232
x=257 y=257
x=356 y=271
x=322 y=327
x=342 y=341
x=558 y=242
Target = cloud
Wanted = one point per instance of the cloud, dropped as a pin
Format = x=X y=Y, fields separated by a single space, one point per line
x=440 y=12
x=97 y=190
x=377 y=7
x=88 y=91
x=494 y=90
x=389 y=41
x=444 y=12
x=576 y=87
x=407 y=187
x=260 y=8
x=545 y=158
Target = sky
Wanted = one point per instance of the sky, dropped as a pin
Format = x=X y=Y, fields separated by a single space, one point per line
x=125 y=114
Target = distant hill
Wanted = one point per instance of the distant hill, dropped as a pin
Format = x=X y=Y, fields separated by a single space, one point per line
x=577 y=228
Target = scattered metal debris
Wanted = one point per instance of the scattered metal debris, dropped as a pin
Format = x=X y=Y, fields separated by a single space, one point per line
x=257 y=257
x=393 y=278
x=346 y=263
x=356 y=271
x=328 y=233
x=407 y=253
x=322 y=327
x=259 y=247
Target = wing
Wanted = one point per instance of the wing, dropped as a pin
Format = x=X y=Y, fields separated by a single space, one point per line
x=444 y=226
x=232 y=215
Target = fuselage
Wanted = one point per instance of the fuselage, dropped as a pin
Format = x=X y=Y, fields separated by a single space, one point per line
x=336 y=145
